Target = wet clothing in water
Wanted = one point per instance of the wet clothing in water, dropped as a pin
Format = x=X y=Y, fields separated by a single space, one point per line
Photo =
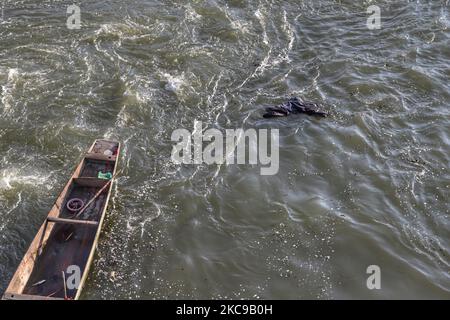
x=294 y=105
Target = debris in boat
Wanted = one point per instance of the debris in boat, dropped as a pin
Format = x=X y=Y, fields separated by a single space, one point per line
x=91 y=213
x=98 y=205
x=39 y=283
x=105 y=176
x=293 y=106
x=70 y=236
x=75 y=204
x=53 y=293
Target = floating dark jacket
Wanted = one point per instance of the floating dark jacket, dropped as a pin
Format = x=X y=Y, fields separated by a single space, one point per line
x=293 y=106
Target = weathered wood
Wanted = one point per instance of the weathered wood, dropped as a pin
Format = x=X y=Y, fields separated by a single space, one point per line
x=58 y=249
x=90 y=182
x=102 y=157
x=19 y=296
x=72 y=221
x=41 y=239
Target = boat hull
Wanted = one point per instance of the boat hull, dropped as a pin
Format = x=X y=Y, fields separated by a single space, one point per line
x=57 y=262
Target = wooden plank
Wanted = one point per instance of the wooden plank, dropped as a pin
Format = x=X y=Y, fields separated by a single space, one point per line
x=72 y=221
x=90 y=182
x=17 y=296
x=99 y=156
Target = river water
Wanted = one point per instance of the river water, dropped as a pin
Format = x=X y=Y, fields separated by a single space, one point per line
x=369 y=185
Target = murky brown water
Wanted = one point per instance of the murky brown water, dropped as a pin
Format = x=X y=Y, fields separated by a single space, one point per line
x=367 y=186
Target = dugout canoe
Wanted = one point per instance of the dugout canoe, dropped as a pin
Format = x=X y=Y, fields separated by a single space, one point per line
x=67 y=239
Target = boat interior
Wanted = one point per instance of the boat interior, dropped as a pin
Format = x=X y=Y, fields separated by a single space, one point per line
x=69 y=234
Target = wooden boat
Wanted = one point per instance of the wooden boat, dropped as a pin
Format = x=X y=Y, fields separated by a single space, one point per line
x=68 y=237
